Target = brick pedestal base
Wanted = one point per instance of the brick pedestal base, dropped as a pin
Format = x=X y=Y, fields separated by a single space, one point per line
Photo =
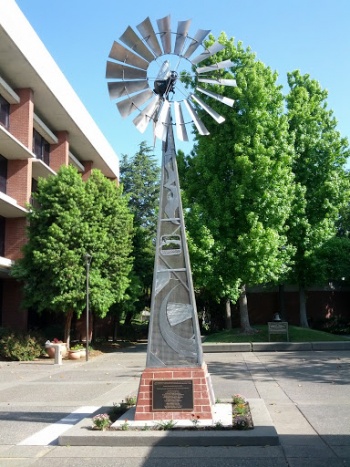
x=203 y=397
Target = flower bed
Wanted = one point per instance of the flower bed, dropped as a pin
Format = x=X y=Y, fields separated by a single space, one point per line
x=241 y=418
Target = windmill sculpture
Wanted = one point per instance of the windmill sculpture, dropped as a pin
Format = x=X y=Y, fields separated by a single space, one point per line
x=142 y=77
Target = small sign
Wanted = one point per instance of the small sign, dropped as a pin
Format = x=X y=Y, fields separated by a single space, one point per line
x=172 y=395
x=278 y=327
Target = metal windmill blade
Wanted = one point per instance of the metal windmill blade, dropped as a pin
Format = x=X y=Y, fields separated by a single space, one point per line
x=147 y=32
x=202 y=130
x=219 y=81
x=181 y=35
x=120 y=71
x=201 y=34
x=165 y=33
x=209 y=52
x=160 y=130
x=156 y=97
x=132 y=40
x=218 y=97
x=142 y=120
x=208 y=109
x=129 y=105
x=180 y=122
x=122 y=54
x=125 y=88
x=215 y=66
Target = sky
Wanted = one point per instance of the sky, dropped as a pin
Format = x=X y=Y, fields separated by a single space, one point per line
x=309 y=35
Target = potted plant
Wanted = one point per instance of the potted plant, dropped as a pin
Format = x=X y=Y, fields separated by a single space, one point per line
x=76 y=351
x=50 y=350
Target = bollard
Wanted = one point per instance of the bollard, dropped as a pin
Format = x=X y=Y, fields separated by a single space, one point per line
x=58 y=353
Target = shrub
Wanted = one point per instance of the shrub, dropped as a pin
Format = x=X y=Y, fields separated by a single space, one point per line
x=120 y=408
x=101 y=422
x=18 y=346
x=334 y=325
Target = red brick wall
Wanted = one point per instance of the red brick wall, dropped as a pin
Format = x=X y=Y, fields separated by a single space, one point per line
x=19 y=180
x=59 y=153
x=88 y=166
x=21 y=118
x=15 y=237
x=201 y=393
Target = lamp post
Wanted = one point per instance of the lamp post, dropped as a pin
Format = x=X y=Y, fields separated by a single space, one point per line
x=87 y=265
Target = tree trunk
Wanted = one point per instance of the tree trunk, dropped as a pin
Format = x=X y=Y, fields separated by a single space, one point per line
x=115 y=328
x=302 y=307
x=67 y=328
x=128 y=318
x=243 y=312
x=228 y=321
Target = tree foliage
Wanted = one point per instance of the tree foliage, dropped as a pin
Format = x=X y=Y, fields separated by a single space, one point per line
x=322 y=184
x=73 y=218
x=140 y=178
x=240 y=178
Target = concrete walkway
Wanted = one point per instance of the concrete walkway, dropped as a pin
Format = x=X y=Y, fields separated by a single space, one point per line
x=307 y=394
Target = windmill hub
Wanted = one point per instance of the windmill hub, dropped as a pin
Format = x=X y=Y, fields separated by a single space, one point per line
x=163 y=87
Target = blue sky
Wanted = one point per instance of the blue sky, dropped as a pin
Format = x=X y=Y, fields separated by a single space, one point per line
x=309 y=35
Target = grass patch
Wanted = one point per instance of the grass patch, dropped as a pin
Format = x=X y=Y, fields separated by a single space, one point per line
x=296 y=334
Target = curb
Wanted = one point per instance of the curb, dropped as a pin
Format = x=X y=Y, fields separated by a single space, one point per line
x=264 y=433
x=274 y=346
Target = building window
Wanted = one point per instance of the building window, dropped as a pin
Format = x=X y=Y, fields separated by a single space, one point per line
x=4 y=112
x=41 y=147
x=3 y=174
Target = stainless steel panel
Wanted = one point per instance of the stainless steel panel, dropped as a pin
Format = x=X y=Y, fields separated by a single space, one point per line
x=208 y=109
x=132 y=40
x=174 y=336
x=181 y=35
x=120 y=71
x=179 y=312
x=223 y=99
x=120 y=53
x=129 y=105
x=212 y=50
x=124 y=88
x=202 y=130
x=147 y=32
x=215 y=66
x=201 y=34
x=164 y=28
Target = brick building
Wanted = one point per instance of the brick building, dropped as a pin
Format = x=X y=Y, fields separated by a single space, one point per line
x=43 y=125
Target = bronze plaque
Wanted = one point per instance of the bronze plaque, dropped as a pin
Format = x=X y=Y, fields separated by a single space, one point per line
x=172 y=395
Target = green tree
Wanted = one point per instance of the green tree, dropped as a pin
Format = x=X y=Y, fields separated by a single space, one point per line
x=240 y=178
x=73 y=218
x=321 y=181
x=140 y=179
x=333 y=256
x=343 y=222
